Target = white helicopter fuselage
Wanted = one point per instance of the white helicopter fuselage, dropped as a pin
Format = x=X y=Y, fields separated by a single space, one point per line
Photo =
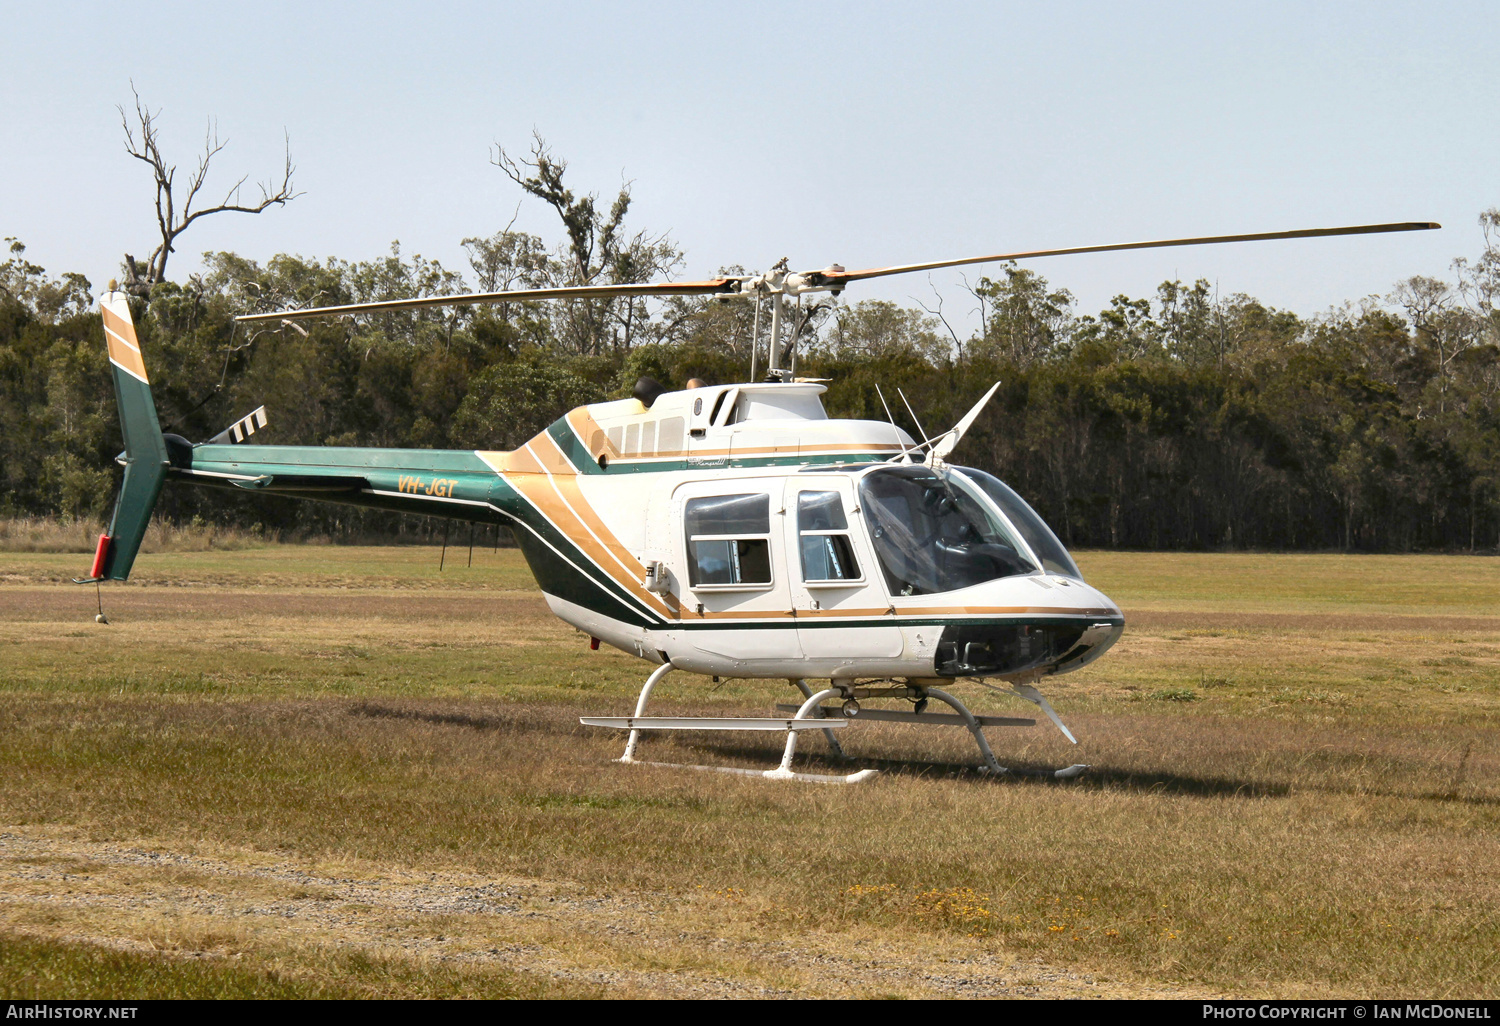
x=738 y=531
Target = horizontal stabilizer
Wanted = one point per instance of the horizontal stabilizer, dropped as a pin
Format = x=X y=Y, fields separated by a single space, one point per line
x=242 y=429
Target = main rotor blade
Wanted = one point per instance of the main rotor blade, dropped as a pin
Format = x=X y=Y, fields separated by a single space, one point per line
x=1305 y=233
x=717 y=286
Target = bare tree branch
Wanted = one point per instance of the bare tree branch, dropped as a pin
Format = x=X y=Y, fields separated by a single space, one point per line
x=938 y=313
x=597 y=248
x=170 y=224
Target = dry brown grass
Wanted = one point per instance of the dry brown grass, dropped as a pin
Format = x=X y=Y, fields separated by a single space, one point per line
x=1292 y=800
x=51 y=534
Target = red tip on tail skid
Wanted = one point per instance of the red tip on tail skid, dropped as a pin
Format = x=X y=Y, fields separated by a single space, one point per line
x=99 y=554
x=593 y=644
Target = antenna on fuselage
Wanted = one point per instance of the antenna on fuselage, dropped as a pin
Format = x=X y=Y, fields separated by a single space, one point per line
x=926 y=441
x=892 y=420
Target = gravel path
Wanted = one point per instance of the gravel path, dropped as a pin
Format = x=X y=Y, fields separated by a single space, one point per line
x=136 y=898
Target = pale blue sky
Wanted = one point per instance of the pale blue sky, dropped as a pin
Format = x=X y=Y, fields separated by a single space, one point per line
x=859 y=133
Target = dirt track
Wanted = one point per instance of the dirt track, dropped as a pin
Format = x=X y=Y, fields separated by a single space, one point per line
x=22 y=602
x=101 y=893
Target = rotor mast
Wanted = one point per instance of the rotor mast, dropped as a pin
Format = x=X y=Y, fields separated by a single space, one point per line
x=773 y=360
x=778 y=283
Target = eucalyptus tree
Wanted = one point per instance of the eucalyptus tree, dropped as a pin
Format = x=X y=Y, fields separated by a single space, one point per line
x=597 y=250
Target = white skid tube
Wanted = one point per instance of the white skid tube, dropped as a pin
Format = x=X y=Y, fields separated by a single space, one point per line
x=936 y=719
x=963 y=718
x=813 y=715
x=708 y=723
x=776 y=774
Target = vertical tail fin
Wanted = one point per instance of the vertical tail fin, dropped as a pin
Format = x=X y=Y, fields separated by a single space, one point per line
x=146 y=458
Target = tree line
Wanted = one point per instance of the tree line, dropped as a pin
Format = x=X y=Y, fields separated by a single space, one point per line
x=1184 y=420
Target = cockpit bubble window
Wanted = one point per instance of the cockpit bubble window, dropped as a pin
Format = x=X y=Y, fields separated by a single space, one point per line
x=932 y=537
x=823 y=537
x=1033 y=528
x=729 y=541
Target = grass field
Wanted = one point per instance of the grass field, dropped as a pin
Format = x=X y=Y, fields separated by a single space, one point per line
x=327 y=771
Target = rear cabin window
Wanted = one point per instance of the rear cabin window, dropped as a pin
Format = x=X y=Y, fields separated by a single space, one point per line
x=729 y=541
x=823 y=538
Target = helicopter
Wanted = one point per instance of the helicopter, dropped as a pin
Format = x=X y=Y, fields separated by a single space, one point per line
x=725 y=530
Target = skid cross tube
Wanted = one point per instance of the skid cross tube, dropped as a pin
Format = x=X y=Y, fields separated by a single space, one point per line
x=784 y=771
x=640 y=722
x=973 y=725
x=813 y=707
x=640 y=708
x=833 y=741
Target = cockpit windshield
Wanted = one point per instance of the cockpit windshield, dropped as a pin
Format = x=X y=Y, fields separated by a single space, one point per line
x=1034 y=529
x=933 y=534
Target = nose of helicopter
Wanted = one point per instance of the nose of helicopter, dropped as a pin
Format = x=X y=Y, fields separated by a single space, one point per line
x=1047 y=624
x=1085 y=597
x=1102 y=627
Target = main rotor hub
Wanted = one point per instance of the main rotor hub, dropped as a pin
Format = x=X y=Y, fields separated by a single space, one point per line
x=781 y=281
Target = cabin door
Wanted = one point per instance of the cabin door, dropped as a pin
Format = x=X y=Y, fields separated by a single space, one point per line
x=733 y=575
x=839 y=600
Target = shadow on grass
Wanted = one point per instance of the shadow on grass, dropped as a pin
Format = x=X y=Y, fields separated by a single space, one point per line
x=1097 y=777
x=1094 y=778
x=370 y=710
x=1020 y=773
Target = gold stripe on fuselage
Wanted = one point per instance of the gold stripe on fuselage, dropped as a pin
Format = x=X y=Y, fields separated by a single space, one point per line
x=552 y=489
x=595 y=439
x=564 y=482
x=516 y=461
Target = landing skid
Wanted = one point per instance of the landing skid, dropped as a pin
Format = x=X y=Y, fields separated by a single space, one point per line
x=813 y=715
x=775 y=774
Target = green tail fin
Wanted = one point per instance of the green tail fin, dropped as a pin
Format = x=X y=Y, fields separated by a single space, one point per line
x=146 y=458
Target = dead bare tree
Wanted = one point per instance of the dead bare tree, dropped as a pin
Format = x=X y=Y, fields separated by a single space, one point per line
x=958 y=345
x=170 y=222
x=597 y=250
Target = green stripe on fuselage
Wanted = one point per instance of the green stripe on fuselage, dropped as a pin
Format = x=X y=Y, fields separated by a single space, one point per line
x=572 y=573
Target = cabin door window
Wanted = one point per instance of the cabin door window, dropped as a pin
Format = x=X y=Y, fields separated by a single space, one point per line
x=736 y=571
x=729 y=541
x=823 y=539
